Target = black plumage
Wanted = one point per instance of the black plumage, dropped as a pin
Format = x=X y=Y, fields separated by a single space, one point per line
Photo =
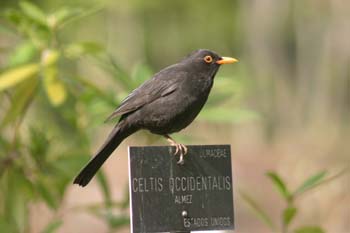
x=165 y=104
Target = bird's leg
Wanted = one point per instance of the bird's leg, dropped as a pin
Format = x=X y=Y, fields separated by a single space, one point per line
x=180 y=148
x=173 y=143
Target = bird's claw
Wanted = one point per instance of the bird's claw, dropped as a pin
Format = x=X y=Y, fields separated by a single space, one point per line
x=181 y=150
x=181 y=160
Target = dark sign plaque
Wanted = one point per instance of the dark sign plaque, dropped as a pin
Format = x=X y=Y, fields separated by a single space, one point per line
x=167 y=197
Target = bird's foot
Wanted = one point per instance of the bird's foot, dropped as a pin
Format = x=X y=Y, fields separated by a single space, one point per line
x=180 y=149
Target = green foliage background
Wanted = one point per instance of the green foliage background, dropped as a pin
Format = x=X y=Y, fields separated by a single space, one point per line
x=66 y=66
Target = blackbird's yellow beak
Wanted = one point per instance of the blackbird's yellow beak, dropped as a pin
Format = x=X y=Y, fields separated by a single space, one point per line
x=226 y=60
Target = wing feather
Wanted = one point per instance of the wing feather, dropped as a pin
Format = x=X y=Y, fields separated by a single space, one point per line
x=160 y=85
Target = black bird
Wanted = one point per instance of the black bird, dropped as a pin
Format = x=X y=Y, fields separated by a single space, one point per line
x=165 y=104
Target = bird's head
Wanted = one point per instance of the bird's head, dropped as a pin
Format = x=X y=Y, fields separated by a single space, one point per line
x=204 y=60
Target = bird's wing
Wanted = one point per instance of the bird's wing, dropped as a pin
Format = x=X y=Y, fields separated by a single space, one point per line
x=148 y=92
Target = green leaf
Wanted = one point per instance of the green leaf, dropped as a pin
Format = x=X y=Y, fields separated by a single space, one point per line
x=54 y=87
x=92 y=91
x=38 y=146
x=258 y=210
x=310 y=182
x=76 y=14
x=33 y=12
x=22 y=54
x=65 y=168
x=68 y=164
x=116 y=221
x=14 y=16
x=22 y=97
x=17 y=195
x=47 y=195
x=53 y=226
x=76 y=50
x=14 y=76
x=102 y=180
x=288 y=215
x=309 y=229
x=20 y=211
x=63 y=15
x=279 y=184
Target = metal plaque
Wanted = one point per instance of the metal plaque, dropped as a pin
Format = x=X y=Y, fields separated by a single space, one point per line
x=168 y=197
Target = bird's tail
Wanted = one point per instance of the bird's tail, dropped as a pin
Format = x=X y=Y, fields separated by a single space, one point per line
x=118 y=134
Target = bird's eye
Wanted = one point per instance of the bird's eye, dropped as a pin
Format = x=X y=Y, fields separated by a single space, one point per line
x=208 y=59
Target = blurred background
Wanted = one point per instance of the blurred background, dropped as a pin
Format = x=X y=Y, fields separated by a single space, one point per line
x=284 y=108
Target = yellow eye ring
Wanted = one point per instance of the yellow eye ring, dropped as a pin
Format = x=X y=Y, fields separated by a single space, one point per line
x=208 y=59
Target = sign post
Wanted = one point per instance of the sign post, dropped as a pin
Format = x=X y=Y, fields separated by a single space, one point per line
x=168 y=197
